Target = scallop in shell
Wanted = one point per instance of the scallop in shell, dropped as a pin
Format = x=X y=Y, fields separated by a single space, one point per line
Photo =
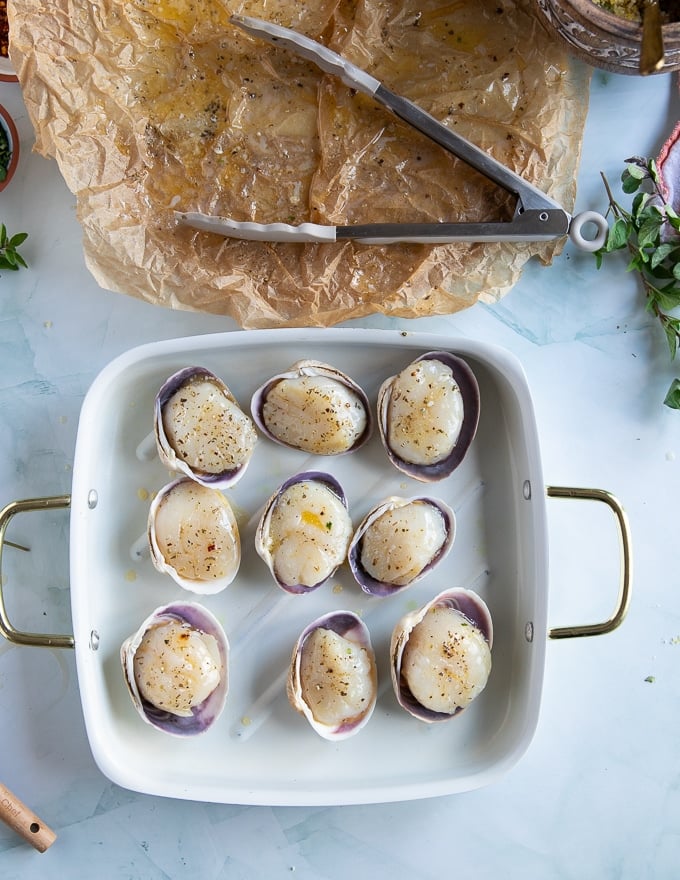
x=428 y=415
x=313 y=407
x=304 y=531
x=333 y=678
x=200 y=429
x=176 y=668
x=194 y=537
x=399 y=542
x=440 y=655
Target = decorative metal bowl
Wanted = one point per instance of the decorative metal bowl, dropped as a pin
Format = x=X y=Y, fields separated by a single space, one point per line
x=603 y=39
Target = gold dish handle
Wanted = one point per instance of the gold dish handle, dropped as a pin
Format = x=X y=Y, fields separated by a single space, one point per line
x=41 y=640
x=623 y=599
x=563 y=632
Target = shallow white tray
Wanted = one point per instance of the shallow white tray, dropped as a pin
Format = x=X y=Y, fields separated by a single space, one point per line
x=261 y=751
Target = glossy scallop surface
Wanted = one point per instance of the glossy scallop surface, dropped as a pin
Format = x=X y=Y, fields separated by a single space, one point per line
x=200 y=429
x=175 y=667
x=428 y=415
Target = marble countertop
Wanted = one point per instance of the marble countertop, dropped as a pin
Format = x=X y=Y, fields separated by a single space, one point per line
x=597 y=794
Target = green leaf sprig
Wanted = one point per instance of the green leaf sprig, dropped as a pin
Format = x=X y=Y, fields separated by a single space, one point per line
x=10 y=258
x=650 y=232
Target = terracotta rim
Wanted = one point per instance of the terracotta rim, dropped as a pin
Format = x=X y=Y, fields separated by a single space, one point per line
x=10 y=129
x=7 y=71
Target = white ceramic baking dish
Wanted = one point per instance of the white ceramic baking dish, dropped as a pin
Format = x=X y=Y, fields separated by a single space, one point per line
x=261 y=751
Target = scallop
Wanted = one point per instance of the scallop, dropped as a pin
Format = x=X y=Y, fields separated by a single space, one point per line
x=440 y=655
x=304 y=531
x=175 y=667
x=313 y=407
x=194 y=537
x=428 y=415
x=333 y=678
x=201 y=431
x=399 y=542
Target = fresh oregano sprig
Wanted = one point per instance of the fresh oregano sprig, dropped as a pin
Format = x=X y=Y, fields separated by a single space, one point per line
x=650 y=233
x=10 y=258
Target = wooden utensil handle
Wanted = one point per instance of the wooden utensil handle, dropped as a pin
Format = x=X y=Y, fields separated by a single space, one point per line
x=24 y=821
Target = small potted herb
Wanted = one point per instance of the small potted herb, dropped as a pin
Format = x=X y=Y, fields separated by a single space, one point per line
x=9 y=148
x=10 y=258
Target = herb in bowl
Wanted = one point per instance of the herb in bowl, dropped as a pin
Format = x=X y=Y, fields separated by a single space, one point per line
x=5 y=153
x=650 y=231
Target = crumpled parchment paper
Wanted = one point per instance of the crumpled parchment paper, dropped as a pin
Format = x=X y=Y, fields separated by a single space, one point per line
x=154 y=105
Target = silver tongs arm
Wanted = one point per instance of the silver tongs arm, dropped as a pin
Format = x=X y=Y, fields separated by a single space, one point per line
x=356 y=78
x=537 y=217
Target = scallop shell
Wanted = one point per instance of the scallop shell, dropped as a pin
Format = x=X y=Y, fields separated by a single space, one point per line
x=195 y=618
x=473 y=613
x=315 y=408
x=226 y=445
x=449 y=458
x=326 y=536
x=349 y=627
x=201 y=549
x=398 y=550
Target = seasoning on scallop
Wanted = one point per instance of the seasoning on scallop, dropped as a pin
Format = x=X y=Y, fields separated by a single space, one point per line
x=440 y=655
x=399 y=542
x=304 y=531
x=428 y=415
x=313 y=407
x=175 y=667
x=194 y=536
x=201 y=431
x=333 y=678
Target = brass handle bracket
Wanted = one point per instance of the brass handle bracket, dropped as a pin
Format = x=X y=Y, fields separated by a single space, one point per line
x=11 y=633
x=625 y=580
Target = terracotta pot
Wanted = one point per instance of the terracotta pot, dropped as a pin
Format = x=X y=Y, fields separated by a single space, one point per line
x=10 y=130
x=7 y=71
x=601 y=38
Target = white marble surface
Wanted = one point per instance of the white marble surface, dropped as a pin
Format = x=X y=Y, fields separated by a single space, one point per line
x=597 y=795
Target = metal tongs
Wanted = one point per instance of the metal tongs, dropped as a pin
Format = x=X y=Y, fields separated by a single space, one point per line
x=537 y=217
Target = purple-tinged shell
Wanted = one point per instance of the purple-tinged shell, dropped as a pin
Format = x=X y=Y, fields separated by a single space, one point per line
x=205 y=539
x=472 y=612
x=398 y=548
x=313 y=407
x=329 y=534
x=194 y=617
x=350 y=627
x=225 y=440
x=395 y=390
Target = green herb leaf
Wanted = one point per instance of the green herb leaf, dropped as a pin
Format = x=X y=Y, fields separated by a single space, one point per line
x=672 y=331
x=634 y=170
x=668 y=298
x=672 y=398
x=10 y=258
x=618 y=235
x=648 y=232
x=18 y=239
x=651 y=234
x=661 y=253
x=630 y=184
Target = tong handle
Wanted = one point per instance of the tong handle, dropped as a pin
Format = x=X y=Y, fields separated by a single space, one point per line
x=24 y=821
